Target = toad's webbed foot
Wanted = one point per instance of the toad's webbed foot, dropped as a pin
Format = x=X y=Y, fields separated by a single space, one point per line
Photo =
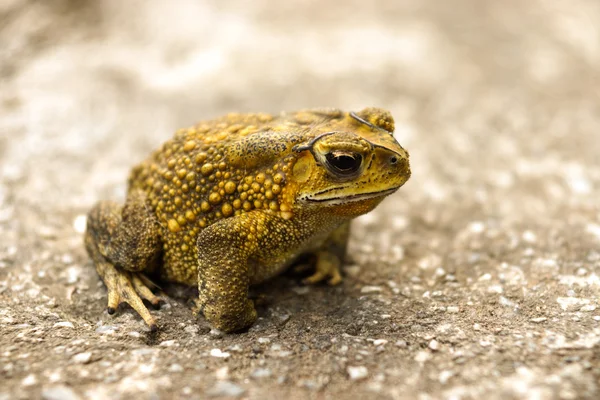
x=327 y=267
x=131 y=288
x=329 y=260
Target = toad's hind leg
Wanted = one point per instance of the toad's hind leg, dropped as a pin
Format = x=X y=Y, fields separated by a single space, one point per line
x=124 y=242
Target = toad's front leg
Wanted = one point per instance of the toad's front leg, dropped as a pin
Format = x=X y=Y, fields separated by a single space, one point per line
x=227 y=254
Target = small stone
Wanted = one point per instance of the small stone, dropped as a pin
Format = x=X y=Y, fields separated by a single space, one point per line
x=222 y=373
x=82 y=358
x=191 y=329
x=225 y=388
x=371 y=289
x=175 y=368
x=216 y=333
x=368 y=219
x=434 y=345
x=566 y=302
x=401 y=344
x=445 y=376
x=144 y=351
x=422 y=356
x=593 y=229
x=452 y=309
x=528 y=252
x=47 y=232
x=235 y=348
x=134 y=334
x=264 y=340
x=260 y=373
x=73 y=273
x=538 y=319
x=529 y=237
x=429 y=262
x=54 y=377
x=219 y=354
x=379 y=342
x=506 y=302
x=282 y=353
x=301 y=289
x=397 y=253
x=168 y=343
x=476 y=227
x=80 y=223
x=593 y=256
x=283 y=317
x=352 y=270
x=146 y=368
x=357 y=373
x=313 y=384
x=29 y=380
x=547 y=262
x=495 y=289
x=257 y=349
x=106 y=329
x=59 y=392
x=400 y=222
x=63 y=324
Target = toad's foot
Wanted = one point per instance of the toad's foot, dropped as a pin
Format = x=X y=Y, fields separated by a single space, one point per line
x=328 y=266
x=131 y=288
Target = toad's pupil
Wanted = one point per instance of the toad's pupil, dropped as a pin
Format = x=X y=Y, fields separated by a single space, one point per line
x=344 y=162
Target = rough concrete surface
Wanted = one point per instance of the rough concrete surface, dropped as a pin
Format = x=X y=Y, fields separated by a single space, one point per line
x=479 y=279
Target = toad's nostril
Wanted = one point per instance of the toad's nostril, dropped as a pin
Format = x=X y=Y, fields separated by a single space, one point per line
x=393 y=160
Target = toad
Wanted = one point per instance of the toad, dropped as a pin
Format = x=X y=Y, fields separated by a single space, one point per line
x=232 y=202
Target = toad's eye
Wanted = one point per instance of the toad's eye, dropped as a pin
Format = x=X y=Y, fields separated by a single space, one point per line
x=343 y=164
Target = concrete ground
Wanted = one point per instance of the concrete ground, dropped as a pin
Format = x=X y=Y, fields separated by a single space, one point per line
x=479 y=279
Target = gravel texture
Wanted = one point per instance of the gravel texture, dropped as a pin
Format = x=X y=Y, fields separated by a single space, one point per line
x=481 y=277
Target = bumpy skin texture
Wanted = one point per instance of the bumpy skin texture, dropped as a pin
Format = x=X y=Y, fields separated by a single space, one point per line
x=232 y=202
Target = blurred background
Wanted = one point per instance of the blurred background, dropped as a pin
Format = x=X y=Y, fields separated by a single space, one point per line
x=497 y=102
x=487 y=96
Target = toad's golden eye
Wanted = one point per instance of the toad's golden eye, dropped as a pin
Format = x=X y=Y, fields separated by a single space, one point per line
x=343 y=164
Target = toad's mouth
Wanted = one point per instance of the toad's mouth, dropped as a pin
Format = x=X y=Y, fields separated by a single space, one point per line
x=342 y=199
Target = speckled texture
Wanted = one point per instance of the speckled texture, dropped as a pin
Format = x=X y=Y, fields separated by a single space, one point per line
x=479 y=278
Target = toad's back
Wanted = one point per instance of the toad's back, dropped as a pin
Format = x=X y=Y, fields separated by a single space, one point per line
x=215 y=170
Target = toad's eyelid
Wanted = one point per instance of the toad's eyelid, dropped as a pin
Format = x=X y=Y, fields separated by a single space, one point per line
x=309 y=146
x=367 y=123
